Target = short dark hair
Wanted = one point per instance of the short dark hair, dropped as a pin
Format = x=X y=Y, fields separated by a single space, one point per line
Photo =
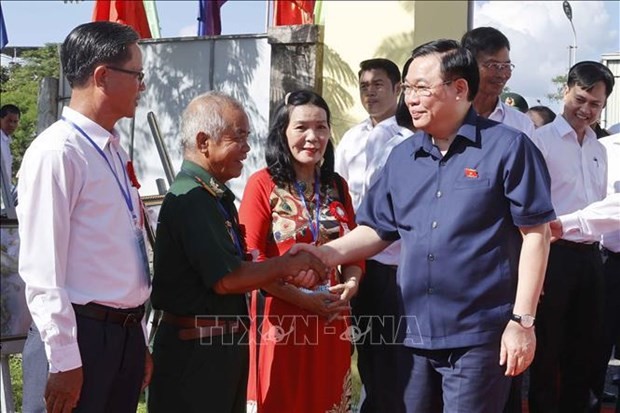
x=402 y=115
x=278 y=154
x=386 y=65
x=456 y=62
x=545 y=113
x=9 y=108
x=484 y=40
x=587 y=73
x=92 y=44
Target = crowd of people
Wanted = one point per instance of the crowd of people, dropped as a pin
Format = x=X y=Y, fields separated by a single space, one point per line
x=455 y=238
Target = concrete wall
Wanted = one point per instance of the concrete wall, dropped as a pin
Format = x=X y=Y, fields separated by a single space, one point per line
x=260 y=69
x=611 y=113
x=179 y=69
x=359 y=30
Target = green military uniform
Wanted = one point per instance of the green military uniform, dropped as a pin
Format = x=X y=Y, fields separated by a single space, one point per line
x=198 y=243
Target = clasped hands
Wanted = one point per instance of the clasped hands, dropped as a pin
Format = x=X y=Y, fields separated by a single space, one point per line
x=328 y=303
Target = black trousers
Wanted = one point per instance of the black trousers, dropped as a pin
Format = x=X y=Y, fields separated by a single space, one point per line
x=514 y=404
x=568 y=331
x=113 y=365
x=202 y=375
x=611 y=324
x=376 y=309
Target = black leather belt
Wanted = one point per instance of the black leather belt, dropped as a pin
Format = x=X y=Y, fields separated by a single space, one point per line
x=124 y=316
x=195 y=327
x=577 y=245
x=610 y=253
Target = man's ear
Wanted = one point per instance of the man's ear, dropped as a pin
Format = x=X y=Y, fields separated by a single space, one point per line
x=565 y=91
x=100 y=76
x=397 y=88
x=462 y=88
x=202 y=142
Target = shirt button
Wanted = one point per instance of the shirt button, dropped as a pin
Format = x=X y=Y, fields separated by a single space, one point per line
x=431 y=257
x=442 y=163
x=430 y=291
x=438 y=194
x=434 y=224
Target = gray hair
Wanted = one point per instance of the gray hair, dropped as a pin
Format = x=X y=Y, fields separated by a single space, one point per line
x=205 y=114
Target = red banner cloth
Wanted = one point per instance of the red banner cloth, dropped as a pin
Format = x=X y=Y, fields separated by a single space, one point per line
x=126 y=12
x=289 y=12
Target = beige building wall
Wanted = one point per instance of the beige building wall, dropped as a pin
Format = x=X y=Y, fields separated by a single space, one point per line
x=359 y=30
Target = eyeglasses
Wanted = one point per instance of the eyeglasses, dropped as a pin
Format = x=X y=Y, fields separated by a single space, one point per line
x=425 y=91
x=138 y=75
x=498 y=67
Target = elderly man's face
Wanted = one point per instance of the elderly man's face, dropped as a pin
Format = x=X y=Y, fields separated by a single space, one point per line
x=226 y=156
x=428 y=96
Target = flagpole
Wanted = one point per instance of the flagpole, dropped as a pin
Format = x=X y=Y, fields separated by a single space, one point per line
x=267 y=15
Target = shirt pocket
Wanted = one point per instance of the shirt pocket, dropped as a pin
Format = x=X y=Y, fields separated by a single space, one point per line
x=472 y=183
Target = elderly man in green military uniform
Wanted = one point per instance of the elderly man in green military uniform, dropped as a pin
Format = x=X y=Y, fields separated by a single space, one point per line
x=200 y=351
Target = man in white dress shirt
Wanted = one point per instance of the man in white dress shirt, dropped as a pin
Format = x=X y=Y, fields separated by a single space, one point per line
x=570 y=312
x=492 y=52
x=82 y=253
x=359 y=157
x=601 y=220
x=9 y=121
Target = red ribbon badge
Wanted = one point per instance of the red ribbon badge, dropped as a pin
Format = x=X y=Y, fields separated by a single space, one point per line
x=471 y=173
x=338 y=211
x=132 y=175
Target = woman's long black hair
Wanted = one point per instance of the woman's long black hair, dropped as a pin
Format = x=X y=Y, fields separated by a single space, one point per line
x=278 y=154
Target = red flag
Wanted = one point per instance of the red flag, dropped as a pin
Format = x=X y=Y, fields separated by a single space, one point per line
x=288 y=12
x=471 y=173
x=126 y=12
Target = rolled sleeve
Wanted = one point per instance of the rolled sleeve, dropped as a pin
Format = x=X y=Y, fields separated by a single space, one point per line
x=570 y=223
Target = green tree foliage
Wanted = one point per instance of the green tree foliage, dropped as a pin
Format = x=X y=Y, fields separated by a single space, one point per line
x=20 y=85
x=559 y=81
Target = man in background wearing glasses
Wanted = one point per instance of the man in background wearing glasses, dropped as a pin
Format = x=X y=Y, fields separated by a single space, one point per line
x=492 y=52
x=82 y=252
x=469 y=200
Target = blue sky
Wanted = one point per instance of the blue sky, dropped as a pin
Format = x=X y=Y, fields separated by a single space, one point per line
x=34 y=23
x=539 y=31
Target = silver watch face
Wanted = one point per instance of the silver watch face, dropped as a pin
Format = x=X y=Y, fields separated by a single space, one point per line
x=527 y=321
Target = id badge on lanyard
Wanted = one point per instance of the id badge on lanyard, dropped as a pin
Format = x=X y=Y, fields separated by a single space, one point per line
x=141 y=245
x=137 y=221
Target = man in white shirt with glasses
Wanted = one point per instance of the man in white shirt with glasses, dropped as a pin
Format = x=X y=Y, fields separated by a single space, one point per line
x=81 y=227
x=492 y=52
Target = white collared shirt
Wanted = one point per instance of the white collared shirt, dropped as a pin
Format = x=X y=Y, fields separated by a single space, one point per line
x=512 y=117
x=350 y=159
x=77 y=235
x=578 y=172
x=360 y=156
x=603 y=217
x=7 y=158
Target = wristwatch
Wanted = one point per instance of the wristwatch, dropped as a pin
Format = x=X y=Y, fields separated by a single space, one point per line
x=525 y=320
